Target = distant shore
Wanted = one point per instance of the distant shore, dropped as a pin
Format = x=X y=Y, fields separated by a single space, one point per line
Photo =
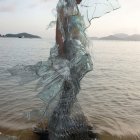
x=19 y=35
x=119 y=37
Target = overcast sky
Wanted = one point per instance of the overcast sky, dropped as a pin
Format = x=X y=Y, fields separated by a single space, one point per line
x=33 y=16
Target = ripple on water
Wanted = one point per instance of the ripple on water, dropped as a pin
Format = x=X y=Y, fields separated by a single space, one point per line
x=110 y=94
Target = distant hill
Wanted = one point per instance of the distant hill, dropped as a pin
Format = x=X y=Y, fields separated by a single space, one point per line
x=134 y=37
x=22 y=35
x=110 y=37
x=120 y=36
x=94 y=38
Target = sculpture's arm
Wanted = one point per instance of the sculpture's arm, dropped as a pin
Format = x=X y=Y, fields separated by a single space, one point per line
x=59 y=40
x=60 y=30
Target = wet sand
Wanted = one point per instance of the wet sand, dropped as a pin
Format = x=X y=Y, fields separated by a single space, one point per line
x=7 y=134
x=18 y=134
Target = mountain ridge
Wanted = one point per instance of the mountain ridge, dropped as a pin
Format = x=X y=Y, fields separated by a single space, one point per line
x=119 y=36
x=20 y=35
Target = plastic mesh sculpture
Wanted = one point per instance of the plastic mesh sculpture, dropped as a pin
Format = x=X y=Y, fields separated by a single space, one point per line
x=68 y=63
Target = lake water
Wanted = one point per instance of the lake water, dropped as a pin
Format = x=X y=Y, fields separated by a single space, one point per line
x=110 y=95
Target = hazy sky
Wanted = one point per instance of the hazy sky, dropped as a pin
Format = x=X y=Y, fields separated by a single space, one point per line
x=33 y=16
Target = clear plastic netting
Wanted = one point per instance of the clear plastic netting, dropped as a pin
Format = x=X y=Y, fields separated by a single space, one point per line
x=91 y=9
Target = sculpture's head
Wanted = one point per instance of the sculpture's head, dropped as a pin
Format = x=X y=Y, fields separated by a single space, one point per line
x=78 y=1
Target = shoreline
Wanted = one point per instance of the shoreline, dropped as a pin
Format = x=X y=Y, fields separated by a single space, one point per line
x=27 y=134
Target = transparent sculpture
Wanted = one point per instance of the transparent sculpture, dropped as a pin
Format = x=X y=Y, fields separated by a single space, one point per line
x=68 y=63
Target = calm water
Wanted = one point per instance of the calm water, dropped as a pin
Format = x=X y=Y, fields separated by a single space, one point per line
x=110 y=95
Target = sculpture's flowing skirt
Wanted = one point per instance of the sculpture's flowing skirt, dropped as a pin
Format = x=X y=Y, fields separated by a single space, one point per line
x=60 y=81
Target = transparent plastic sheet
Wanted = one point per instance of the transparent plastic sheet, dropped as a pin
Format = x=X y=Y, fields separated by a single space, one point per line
x=90 y=9
x=59 y=77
